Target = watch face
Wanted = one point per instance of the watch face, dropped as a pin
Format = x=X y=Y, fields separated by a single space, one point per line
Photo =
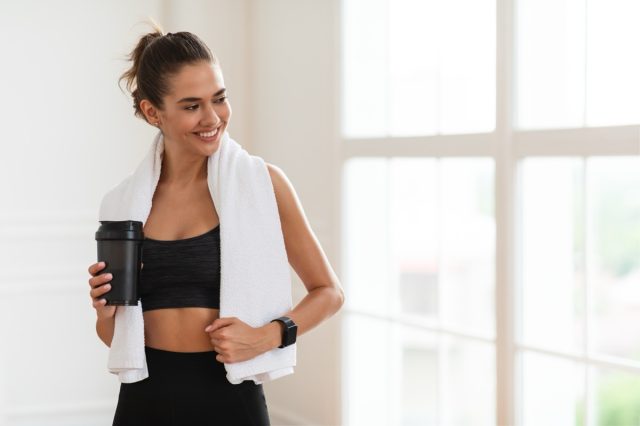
x=289 y=332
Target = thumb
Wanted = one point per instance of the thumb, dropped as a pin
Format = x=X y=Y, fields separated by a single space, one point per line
x=218 y=323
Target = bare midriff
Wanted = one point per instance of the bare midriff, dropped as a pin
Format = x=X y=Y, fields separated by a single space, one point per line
x=178 y=214
x=179 y=329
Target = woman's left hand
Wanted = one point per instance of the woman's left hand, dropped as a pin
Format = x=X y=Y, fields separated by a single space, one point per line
x=234 y=340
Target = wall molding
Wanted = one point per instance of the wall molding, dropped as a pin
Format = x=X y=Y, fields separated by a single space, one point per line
x=79 y=407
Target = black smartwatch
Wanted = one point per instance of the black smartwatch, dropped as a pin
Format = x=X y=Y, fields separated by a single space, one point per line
x=289 y=332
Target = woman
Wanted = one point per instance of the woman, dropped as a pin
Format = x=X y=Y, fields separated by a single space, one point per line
x=179 y=88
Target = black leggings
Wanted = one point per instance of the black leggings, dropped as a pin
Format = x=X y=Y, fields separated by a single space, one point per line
x=189 y=388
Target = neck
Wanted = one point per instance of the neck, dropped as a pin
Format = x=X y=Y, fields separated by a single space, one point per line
x=181 y=169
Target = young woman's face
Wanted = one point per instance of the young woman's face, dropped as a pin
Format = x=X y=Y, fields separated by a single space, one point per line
x=196 y=105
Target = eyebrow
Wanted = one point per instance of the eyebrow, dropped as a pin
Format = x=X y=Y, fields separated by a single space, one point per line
x=192 y=99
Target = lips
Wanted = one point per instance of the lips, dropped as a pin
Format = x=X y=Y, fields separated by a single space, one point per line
x=209 y=138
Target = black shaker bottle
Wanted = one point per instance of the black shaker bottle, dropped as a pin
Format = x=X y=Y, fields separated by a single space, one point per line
x=120 y=247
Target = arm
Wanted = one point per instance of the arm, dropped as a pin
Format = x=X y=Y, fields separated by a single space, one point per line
x=325 y=295
x=104 y=328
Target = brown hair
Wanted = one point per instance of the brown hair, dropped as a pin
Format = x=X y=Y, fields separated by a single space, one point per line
x=156 y=57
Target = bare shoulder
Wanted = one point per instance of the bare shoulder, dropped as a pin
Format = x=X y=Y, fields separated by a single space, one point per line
x=278 y=177
x=303 y=248
x=286 y=197
x=274 y=171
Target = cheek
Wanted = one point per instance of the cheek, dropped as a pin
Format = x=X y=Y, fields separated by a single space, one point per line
x=189 y=122
x=227 y=112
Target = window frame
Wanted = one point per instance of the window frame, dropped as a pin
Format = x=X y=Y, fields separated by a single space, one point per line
x=507 y=145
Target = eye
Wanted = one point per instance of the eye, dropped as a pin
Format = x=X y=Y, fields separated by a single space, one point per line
x=217 y=101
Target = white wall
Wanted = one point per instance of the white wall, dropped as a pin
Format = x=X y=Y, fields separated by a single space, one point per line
x=70 y=134
x=223 y=26
x=294 y=124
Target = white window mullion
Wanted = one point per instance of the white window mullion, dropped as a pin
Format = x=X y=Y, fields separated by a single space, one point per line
x=469 y=145
x=578 y=142
x=504 y=199
x=588 y=402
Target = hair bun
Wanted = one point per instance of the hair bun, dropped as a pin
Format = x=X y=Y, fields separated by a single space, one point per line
x=148 y=76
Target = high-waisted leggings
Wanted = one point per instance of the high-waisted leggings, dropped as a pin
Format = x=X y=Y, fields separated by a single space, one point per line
x=189 y=389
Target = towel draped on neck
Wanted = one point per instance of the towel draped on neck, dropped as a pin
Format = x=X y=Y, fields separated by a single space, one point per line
x=255 y=280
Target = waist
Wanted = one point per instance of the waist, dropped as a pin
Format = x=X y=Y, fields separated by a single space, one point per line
x=196 y=371
x=189 y=373
x=179 y=354
x=179 y=329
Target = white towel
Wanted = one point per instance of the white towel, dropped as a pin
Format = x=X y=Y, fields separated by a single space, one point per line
x=255 y=282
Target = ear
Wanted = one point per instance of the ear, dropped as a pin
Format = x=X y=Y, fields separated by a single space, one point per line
x=149 y=111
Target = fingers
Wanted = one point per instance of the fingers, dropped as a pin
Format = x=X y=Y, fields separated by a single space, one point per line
x=99 y=303
x=93 y=269
x=96 y=295
x=100 y=279
x=99 y=284
x=100 y=290
x=216 y=348
x=99 y=287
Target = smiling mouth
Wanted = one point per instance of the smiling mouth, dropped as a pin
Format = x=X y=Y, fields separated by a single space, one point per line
x=208 y=136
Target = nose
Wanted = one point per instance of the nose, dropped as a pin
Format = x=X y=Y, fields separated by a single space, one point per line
x=211 y=118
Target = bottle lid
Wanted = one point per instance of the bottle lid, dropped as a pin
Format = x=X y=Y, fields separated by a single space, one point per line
x=120 y=230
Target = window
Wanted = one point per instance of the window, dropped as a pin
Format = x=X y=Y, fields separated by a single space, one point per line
x=491 y=205
x=577 y=63
x=418 y=67
x=420 y=252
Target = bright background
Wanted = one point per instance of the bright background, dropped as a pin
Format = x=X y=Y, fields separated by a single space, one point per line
x=491 y=240
x=471 y=168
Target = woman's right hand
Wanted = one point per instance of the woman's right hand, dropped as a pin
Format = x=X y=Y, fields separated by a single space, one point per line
x=99 y=287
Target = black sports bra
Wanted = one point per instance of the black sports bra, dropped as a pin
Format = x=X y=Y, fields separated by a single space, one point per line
x=181 y=273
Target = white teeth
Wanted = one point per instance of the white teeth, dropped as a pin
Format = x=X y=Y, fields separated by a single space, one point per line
x=208 y=135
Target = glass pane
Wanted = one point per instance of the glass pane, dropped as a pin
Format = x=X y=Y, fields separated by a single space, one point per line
x=413 y=67
x=443 y=230
x=549 y=63
x=467 y=230
x=467 y=52
x=617 y=397
x=577 y=63
x=418 y=397
x=366 y=274
x=552 y=296
x=414 y=234
x=552 y=391
x=368 y=359
x=364 y=68
x=418 y=67
x=614 y=254
x=425 y=380
x=442 y=66
x=468 y=383
x=613 y=62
